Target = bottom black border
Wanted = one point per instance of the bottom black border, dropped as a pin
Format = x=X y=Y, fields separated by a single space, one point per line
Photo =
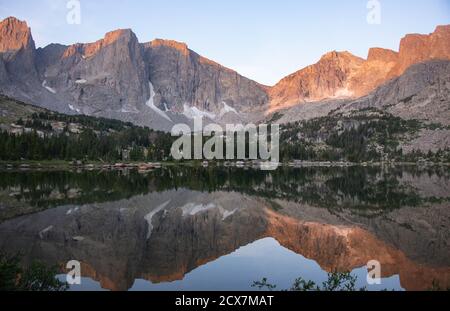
x=152 y=300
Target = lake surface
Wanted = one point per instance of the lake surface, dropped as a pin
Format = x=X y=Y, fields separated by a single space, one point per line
x=186 y=228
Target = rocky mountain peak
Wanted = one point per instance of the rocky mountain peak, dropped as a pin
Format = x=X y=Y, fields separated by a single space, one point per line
x=17 y=55
x=344 y=61
x=180 y=46
x=341 y=74
x=442 y=29
x=416 y=48
x=15 y=35
x=120 y=36
x=325 y=79
x=335 y=55
x=383 y=55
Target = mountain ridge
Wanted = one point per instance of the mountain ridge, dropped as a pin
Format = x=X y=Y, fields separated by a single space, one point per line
x=358 y=80
x=163 y=82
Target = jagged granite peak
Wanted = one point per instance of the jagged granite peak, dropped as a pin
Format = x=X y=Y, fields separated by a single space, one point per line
x=361 y=79
x=416 y=48
x=327 y=78
x=17 y=55
x=15 y=35
x=107 y=75
x=90 y=49
x=421 y=93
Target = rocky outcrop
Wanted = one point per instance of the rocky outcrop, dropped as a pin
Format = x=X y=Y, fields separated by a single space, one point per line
x=353 y=77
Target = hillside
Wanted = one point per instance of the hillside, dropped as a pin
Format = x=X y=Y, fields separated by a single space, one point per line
x=31 y=133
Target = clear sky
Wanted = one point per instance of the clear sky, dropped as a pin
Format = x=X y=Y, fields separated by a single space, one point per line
x=261 y=39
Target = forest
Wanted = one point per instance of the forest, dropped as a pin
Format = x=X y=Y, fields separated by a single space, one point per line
x=357 y=138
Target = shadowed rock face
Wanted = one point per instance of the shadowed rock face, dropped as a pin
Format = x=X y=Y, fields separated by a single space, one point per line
x=349 y=76
x=163 y=236
x=108 y=75
x=181 y=76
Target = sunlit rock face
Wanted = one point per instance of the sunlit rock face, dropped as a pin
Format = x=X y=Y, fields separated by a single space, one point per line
x=352 y=77
x=326 y=79
x=15 y=35
x=343 y=248
x=17 y=56
x=415 y=48
x=421 y=93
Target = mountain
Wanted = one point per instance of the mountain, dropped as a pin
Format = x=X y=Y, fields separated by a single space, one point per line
x=163 y=82
x=156 y=84
x=326 y=79
x=17 y=55
x=418 y=102
x=343 y=75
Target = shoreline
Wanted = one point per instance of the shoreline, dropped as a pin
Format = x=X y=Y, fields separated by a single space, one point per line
x=91 y=165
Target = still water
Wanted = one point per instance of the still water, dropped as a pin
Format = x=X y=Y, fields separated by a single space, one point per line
x=185 y=228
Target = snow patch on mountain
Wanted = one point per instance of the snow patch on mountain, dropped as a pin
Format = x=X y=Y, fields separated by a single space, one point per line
x=125 y=110
x=71 y=107
x=150 y=215
x=151 y=104
x=192 y=209
x=194 y=112
x=51 y=90
x=227 y=109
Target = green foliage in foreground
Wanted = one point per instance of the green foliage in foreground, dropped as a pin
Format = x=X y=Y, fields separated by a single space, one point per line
x=37 y=277
x=336 y=282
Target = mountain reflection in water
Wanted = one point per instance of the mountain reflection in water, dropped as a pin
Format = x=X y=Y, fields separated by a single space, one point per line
x=194 y=228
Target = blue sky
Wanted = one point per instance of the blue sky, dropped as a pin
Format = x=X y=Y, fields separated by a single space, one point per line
x=264 y=40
